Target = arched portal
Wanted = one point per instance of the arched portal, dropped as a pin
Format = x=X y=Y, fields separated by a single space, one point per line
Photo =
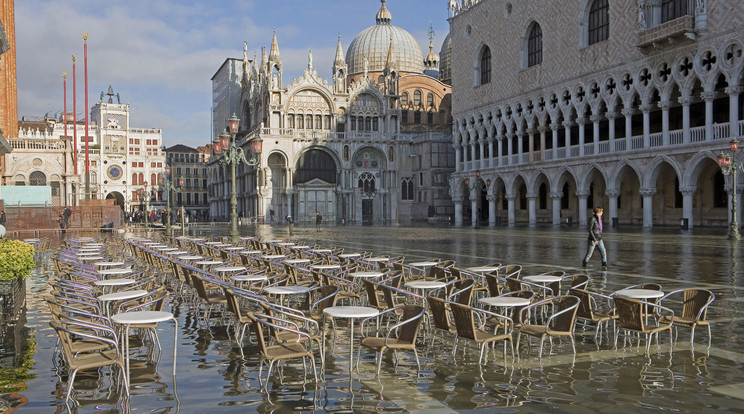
x=117 y=197
x=315 y=179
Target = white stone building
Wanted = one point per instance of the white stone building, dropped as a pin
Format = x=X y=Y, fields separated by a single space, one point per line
x=372 y=145
x=563 y=106
x=121 y=158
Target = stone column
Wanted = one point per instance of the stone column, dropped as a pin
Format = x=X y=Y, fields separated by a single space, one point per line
x=556 y=199
x=474 y=206
x=509 y=149
x=567 y=125
x=531 y=143
x=708 y=97
x=542 y=129
x=733 y=93
x=611 y=116
x=458 y=158
x=490 y=150
x=646 y=109
x=582 y=196
x=685 y=102
x=628 y=113
x=499 y=143
x=491 y=210
x=531 y=197
x=481 y=161
x=554 y=128
x=613 y=195
x=664 y=105
x=648 y=207
x=472 y=144
x=520 y=137
x=595 y=132
x=687 y=194
x=582 y=138
x=458 y=210
x=511 y=219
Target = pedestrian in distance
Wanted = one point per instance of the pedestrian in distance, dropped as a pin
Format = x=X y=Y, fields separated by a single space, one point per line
x=290 y=223
x=2 y=218
x=62 y=223
x=594 y=227
x=318 y=220
x=66 y=214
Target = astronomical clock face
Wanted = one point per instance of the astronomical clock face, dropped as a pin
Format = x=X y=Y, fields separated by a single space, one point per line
x=115 y=172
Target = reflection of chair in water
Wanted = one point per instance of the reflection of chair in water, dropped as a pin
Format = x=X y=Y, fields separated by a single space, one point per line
x=633 y=316
x=561 y=320
x=695 y=304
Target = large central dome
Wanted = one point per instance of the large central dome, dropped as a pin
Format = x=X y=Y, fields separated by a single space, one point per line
x=374 y=43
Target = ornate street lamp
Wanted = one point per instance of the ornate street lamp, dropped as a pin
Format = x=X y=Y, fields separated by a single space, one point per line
x=231 y=155
x=729 y=166
x=167 y=184
x=145 y=195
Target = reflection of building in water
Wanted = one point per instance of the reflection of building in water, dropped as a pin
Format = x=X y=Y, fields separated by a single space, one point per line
x=371 y=145
x=564 y=106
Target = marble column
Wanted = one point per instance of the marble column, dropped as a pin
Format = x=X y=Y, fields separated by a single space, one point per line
x=595 y=132
x=611 y=116
x=613 y=195
x=628 y=113
x=685 y=102
x=582 y=196
x=582 y=138
x=556 y=200
x=733 y=93
x=531 y=206
x=458 y=210
x=646 y=109
x=491 y=210
x=687 y=202
x=708 y=97
x=554 y=128
x=474 y=196
x=511 y=218
x=648 y=207
x=664 y=105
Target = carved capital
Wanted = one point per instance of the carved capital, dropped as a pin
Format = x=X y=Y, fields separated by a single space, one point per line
x=556 y=194
x=612 y=193
x=645 y=108
x=733 y=90
x=510 y=197
x=628 y=112
x=663 y=105
x=687 y=191
x=708 y=95
x=581 y=121
x=491 y=197
x=582 y=194
x=647 y=192
x=595 y=118
x=555 y=126
x=611 y=115
x=542 y=129
x=531 y=196
x=458 y=199
x=684 y=100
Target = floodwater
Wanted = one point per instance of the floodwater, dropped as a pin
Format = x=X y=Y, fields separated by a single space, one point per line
x=212 y=376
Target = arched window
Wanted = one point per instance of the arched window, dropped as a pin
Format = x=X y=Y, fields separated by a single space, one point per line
x=534 y=46
x=406 y=189
x=599 y=21
x=315 y=164
x=134 y=179
x=153 y=179
x=485 y=66
x=417 y=98
x=672 y=9
x=429 y=100
x=141 y=178
x=37 y=178
x=404 y=99
x=290 y=121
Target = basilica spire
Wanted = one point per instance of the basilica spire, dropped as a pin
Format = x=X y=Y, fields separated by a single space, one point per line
x=274 y=56
x=389 y=63
x=339 y=54
x=339 y=69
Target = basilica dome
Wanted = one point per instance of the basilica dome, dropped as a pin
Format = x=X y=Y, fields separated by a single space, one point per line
x=445 y=60
x=374 y=43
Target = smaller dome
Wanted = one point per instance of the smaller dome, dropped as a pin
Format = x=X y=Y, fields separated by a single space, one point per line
x=431 y=60
x=384 y=16
x=445 y=60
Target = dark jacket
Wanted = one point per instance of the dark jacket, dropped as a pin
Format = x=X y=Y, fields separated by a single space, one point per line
x=2 y=218
x=593 y=228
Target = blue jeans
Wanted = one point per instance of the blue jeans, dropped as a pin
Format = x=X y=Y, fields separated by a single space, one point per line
x=590 y=249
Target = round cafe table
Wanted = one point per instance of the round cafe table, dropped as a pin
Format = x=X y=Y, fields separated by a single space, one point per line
x=128 y=319
x=349 y=255
x=108 y=264
x=190 y=257
x=326 y=267
x=640 y=293
x=274 y=256
x=208 y=262
x=283 y=291
x=482 y=269
x=250 y=252
x=350 y=313
x=118 y=296
x=115 y=271
x=377 y=259
x=113 y=283
x=247 y=278
x=365 y=275
x=297 y=261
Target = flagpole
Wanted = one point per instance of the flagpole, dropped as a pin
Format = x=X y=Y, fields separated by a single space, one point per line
x=74 y=117
x=87 y=138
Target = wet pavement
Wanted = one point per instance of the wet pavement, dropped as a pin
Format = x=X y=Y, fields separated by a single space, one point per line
x=213 y=377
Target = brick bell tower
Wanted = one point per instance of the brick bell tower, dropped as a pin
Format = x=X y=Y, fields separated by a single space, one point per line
x=8 y=80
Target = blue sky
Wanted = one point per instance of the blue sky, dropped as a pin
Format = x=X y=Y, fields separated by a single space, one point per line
x=160 y=55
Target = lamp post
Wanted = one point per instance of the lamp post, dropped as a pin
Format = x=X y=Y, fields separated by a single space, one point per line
x=168 y=186
x=144 y=195
x=232 y=154
x=729 y=165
